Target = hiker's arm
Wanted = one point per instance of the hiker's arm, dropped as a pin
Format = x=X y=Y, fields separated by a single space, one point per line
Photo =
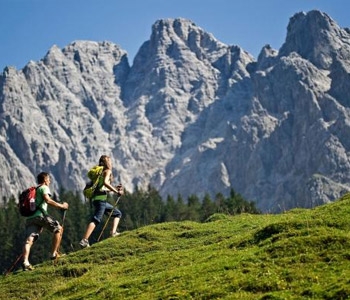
x=53 y=203
x=119 y=190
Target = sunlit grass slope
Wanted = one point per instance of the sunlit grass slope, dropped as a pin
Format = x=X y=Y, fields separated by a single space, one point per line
x=301 y=254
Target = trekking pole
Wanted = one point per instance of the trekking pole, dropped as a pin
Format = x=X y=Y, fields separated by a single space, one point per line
x=110 y=214
x=14 y=264
x=63 y=219
x=59 y=246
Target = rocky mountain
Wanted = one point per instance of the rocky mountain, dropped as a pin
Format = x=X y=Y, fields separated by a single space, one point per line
x=191 y=115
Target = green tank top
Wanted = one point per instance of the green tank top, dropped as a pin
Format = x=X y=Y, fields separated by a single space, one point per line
x=100 y=194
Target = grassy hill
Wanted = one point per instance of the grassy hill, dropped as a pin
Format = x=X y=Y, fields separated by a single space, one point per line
x=301 y=254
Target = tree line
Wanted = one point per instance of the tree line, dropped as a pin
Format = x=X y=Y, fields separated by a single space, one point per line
x=139 y=208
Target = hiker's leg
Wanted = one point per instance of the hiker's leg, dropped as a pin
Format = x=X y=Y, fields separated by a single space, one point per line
x=117 y=215
x=32 y=232
x=89 y=229
x=100 y=207
x=26 y=249
x=115 y=225
x=56 y=241
x=53 y=226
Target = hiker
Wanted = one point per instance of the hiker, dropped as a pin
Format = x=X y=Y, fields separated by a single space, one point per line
x=99 y=201
x=40 y=219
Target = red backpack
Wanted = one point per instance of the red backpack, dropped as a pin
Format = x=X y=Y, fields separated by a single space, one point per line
x=27 y=206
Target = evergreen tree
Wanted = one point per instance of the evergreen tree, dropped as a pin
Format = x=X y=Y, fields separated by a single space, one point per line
x=153 y=207
x=235 y=204
x=169 y=210
x=208 y=208
x=193 y=210
x=12 y=235
x=132 y=204
x=221 y=203
x=125 y=205
x=180 y=212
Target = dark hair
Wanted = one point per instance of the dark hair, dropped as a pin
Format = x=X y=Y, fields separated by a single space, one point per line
x=41 y=177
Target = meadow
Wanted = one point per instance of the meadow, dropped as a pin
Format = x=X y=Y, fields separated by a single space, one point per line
x=298 y=254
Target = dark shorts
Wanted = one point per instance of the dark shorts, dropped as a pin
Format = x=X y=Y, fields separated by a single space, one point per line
x=35 y=226
x=104 y=208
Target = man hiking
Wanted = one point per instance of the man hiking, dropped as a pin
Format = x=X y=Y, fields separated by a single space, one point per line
x=41 y=219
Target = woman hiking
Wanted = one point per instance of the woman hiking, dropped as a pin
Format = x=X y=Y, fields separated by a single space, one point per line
x=99 y=201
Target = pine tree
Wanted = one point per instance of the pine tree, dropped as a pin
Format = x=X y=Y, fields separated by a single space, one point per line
x=220 y=203
x=12 y=232
x=153 y=207
x=169 y=214
x=193 y=208
x=208 y=208
x=180 y=212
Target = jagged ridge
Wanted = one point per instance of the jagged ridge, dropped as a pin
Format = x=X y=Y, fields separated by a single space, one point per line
x=191 y=115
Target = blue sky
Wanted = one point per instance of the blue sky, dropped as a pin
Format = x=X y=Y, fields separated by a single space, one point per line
x=28 y=28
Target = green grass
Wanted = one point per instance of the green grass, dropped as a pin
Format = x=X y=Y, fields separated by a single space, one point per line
x=300 y=254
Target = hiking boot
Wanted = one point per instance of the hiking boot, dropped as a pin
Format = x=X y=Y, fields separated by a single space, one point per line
x=84 y=243
x=58 y=255
x=27 y=267
x=115 y=234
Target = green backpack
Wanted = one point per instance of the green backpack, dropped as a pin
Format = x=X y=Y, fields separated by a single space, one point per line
x=94 y=175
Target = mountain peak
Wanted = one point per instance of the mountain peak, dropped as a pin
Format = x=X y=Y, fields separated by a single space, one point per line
x=183 y=31
x=314 y=36
x=192 y=115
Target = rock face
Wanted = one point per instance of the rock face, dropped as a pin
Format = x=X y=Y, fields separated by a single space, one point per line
x=190 y=116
